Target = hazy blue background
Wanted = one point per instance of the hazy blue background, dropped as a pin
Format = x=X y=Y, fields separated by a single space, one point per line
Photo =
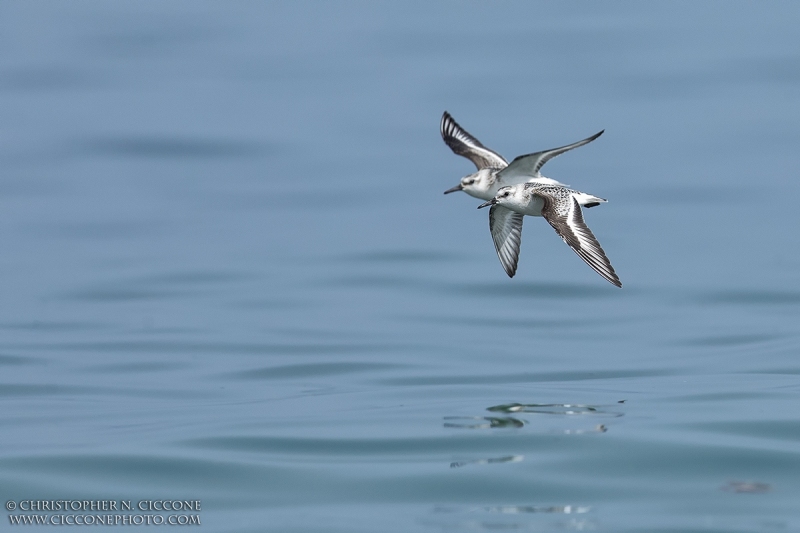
x=228 y=271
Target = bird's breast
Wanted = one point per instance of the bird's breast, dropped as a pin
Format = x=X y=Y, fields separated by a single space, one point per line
x=532 y=208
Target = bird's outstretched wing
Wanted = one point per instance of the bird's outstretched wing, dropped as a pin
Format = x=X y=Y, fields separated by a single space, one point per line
x=570 y=226
x=506 y=228
x=464 y=144
x=527 y=166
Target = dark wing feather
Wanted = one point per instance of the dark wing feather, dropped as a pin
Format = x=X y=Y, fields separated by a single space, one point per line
x=579 y=237
x=528 y=166
x=506 y=228
x=464 y=144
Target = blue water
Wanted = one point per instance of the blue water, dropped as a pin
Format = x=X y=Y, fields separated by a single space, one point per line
x=229 y=274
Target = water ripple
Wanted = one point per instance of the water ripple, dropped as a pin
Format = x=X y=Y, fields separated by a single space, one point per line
x=541 y=377
x=532 y=290
x=731 y=340
x=310 y=370
x=15 y=360
x=171 y=147
x=403 y=256
x=787 y=430
x=22 y=390
x=360 y=447
x=751 y=297
x=33 y=78
x=157 y=286
x=167 y=346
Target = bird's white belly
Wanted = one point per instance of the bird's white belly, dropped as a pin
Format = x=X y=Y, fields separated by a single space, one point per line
x=533 y=208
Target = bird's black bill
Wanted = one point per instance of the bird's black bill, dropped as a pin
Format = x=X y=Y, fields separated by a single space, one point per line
x=487 y=204
x=454 y=189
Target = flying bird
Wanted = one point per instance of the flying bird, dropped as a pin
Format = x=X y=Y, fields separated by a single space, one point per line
x=560 y=208
x=495 y=173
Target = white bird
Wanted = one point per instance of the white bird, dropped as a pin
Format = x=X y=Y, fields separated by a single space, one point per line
x=559 y=206
x=494 y=172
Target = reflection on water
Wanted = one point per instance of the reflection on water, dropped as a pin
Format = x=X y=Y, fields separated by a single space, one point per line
x=506 y=459
x=565 y=409
x=492 y=422
x=484 y=422
x=513 y=517
x=519 y=509
x=750 y=487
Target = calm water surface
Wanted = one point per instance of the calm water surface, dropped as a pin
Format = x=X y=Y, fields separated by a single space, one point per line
x=229 y=272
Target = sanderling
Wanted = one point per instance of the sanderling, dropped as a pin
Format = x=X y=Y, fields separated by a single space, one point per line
x=560 y=207
x=494 y=171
